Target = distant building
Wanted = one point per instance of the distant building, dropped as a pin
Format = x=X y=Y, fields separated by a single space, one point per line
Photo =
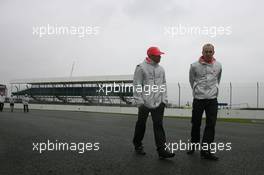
x=89 y=90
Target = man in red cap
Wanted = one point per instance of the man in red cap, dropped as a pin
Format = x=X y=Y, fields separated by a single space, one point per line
x=150 y=95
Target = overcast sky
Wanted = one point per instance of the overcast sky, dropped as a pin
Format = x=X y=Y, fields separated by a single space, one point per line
x=125 y=30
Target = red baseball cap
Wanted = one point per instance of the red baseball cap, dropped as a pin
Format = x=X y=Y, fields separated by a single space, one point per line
x=154 y=51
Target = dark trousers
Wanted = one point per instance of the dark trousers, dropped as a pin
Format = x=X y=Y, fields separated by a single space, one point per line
x=1 y=106
x=210 y=108
x=157 y=118
x=25 y=108
x=12 y=107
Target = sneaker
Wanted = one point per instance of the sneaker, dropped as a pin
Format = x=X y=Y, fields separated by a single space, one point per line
x=140 y=150
x=208 y=156
x=190 y=152
x=163 y=154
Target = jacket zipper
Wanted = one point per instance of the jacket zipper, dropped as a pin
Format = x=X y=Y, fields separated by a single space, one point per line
x=154 y=75
x=154 y=80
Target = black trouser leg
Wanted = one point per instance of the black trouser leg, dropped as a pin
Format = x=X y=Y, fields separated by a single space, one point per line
x=1 y=106
x=211 y=116
x=26 y=108
x=159 y=133
x=140 y=128
x=12 y=107
x=197 y=114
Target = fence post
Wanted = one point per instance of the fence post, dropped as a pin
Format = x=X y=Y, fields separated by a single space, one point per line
x=230 y=105
x=179 y=86
x=257 y=94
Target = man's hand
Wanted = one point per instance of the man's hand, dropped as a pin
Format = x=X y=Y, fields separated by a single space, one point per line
x=163 y=105
x=141 y=106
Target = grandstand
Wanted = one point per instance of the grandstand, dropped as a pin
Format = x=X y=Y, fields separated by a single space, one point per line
x=89 y=90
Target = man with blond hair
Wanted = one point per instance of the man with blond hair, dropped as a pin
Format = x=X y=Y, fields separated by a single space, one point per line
x=204 y=77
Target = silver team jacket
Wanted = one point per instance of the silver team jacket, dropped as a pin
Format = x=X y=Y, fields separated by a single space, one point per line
x=148 y=76
x=204 y=79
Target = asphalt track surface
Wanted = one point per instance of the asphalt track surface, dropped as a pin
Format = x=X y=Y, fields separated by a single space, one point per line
x=114 y=132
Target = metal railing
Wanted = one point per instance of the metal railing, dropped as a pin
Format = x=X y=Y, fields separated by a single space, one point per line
x=236 y=95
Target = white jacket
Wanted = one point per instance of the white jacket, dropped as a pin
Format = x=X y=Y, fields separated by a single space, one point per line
x=2 y=99
x=11 y=100
x=150 y=76
x=204 y=79
x=25 y=100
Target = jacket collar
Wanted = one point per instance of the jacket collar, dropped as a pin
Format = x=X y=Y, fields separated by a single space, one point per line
x=150 y=61
x=202 y=60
